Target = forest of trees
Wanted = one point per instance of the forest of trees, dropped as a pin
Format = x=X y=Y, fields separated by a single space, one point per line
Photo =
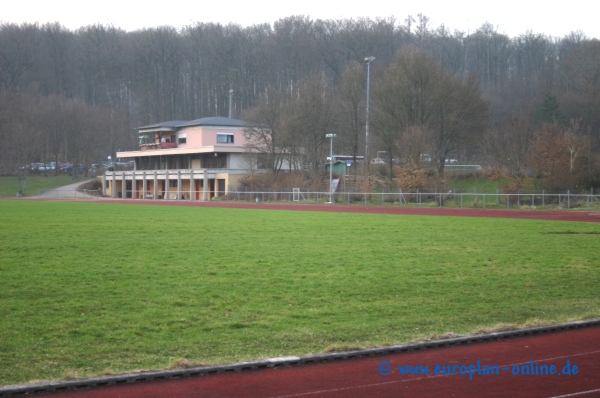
x=479 y=96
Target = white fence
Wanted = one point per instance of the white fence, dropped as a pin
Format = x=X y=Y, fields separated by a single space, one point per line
x=554 y=201
x=559 y=201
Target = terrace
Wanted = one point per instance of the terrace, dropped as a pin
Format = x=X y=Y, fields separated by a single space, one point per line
x=158 y=145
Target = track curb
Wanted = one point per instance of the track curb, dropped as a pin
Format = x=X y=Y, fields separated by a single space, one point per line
x=34 y=388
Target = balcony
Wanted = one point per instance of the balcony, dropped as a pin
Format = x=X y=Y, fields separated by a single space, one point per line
x=161 y=145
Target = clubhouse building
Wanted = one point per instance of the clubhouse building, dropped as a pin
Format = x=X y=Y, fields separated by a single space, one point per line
x=194 y=160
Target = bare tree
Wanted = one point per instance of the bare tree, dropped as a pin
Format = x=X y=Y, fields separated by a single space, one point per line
x=268 y=138
x=18 y=50
x=561 y=156
x=405 y=96
x=309 y=119
x=350 y=108
x=506 y=148
x=416 y=91
x=19 y=134
x=458 y=117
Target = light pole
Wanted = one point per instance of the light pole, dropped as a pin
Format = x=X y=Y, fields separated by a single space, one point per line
x=230 y=93
x=368 y=61
x=331 y=137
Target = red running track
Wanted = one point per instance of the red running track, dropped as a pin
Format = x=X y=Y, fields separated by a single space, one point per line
x=580 y=216
x=362 y=377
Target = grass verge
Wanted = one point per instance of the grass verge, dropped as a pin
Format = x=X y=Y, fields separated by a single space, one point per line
x=92 y=288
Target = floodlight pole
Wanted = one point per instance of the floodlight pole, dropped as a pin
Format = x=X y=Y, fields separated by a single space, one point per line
x=368 y=61
x=230 y=93
x=331 y=137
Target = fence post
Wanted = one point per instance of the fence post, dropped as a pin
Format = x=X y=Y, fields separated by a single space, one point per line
x=568 y=199
x=484 y=201
x=588 y=202
x=543 y=198
x=507 y=201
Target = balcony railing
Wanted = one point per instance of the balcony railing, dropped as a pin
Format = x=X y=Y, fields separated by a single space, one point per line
x=161 y=145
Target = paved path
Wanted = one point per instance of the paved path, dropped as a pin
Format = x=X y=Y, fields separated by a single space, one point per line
x=65 y=192
x=381 y=376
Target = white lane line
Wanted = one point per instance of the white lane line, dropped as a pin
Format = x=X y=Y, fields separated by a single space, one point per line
x=576 y=394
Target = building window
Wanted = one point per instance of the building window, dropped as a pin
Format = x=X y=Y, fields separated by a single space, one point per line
x=173 y=183
x=210 y=161
x=182 y=139
x=225 y=138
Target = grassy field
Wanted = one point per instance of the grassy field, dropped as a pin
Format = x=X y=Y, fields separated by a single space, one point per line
x=9 y=186
x=90 y=289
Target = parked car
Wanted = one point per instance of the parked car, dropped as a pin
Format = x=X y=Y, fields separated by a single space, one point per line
x=66 y=167
x=45 y=167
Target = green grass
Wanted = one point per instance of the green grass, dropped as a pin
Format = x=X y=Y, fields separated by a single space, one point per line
x=89 y=288
x=9 y=186
x=471 y=185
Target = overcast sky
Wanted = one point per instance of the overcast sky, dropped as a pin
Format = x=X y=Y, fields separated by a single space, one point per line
x=508 y=16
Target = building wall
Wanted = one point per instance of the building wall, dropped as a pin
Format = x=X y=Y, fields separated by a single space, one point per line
x=209 y=135
x=198 y=136
x=193 y=137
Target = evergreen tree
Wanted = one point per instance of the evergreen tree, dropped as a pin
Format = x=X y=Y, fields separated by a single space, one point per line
x=549 y=111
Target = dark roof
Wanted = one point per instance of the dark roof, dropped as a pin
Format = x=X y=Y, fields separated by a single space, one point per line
x=172 y=124
x=214 y=121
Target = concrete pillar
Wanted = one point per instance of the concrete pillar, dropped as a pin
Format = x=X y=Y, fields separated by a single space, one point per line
x=123 y=186
x=192 y=186
x=133 y=186
x=113 y=192
x=166 y=184
x=205 y=190
x=155 y=187
x=178 y=184
x=144 y=185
